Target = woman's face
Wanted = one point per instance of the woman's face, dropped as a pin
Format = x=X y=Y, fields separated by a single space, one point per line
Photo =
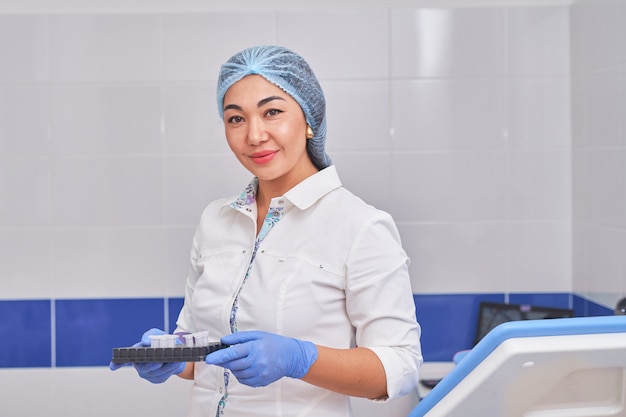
x=266 y=129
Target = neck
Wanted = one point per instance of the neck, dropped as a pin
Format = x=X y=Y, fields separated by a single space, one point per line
x=269 y=189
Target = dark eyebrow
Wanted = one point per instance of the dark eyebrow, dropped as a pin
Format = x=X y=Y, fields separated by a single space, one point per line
x=260 y=104
x=232 y=106
x=268 y=99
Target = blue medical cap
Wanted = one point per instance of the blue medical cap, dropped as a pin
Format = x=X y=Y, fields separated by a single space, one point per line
x=290 y=72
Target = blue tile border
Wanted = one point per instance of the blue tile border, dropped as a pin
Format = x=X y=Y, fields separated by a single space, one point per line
x=25 y=330
x=448 y=322
x=554 y=300
x=88 y=330
x=587 y=308
x=83 y=332
x=174 y=306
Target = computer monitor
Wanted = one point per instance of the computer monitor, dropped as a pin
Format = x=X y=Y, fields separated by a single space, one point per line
x=492 y=314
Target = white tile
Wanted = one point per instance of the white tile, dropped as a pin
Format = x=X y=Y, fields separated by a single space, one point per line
x=97 y=391
x=448 y=186
x=448 y=114
x=451 y=42
x=93 y=391
x=606 y=192
x=25 y=263
x=24 y=121
x=622 y=25
x=24 y=48
x=539 y=187
x=578 y=104
x=539 y=257
x=538 y=40
x=358 y=119
x=191 y=122
x=539 y=113
x=105 y=47
x=579 y=37
x=103 y=120
x=21 y=383
x=464 y=257
x=25 y=191
x=192 y=182
x=599 y=27
x=367 y=175
x=349 y=44
x=622 y=87
x=178 y=250
x=580 y=187
x=107 y=191
x=579 y=258
x=606 y=267
x=604 y=108
x=195 y=45
x=109 y=262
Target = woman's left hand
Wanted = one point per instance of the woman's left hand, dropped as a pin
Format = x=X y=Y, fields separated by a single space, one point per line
x=258 y=358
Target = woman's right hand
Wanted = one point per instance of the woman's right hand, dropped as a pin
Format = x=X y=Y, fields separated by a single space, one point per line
x=152 y=371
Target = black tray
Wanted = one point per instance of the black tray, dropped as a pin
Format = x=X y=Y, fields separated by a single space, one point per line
x=163 y=355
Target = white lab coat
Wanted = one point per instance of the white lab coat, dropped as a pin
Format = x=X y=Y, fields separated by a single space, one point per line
x=331 y=271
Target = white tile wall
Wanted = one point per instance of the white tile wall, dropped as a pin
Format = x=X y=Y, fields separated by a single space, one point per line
x=538 y=41
x=536 y=250
x=196 y=44
x=538 y=186
x=599 y=149
x=464 y=256
x=24 y=114
x=26 y=263
x=448 y=186
x=538 y=116
x=352 y=45
x=449 y=114
x=66 y=392
x=26 y=61
x=105 y=120
x=445 y=43
x=107 y=191
x=109 y=122
x=358 y=116
x=132 y=260
x=105 y=48
x=191 y=123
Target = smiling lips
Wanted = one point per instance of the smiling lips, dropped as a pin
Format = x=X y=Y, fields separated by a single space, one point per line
x=263 y=157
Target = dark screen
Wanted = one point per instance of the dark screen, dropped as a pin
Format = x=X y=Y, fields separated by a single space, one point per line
x=493 y=314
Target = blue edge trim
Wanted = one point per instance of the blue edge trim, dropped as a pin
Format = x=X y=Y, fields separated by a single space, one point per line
x=530 y=328
x=83 y=332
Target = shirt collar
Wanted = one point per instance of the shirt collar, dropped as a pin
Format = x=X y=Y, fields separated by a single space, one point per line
x=303 y=195
x=307 y=192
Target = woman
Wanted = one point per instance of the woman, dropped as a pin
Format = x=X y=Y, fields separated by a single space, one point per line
x=307 y=284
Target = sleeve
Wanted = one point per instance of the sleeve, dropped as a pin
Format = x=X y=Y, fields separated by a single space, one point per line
x=381 y=305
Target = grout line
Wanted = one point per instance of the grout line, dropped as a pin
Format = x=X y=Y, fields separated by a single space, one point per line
x=166 y=313
x=53 y=335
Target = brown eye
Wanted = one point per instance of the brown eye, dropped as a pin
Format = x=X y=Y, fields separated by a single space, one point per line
x=273 y=112
x=235 y=119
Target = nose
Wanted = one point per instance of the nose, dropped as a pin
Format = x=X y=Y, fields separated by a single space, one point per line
x=256 y=132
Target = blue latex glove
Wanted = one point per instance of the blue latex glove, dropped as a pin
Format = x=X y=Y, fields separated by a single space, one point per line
x=153 y=372
x=259 y=358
